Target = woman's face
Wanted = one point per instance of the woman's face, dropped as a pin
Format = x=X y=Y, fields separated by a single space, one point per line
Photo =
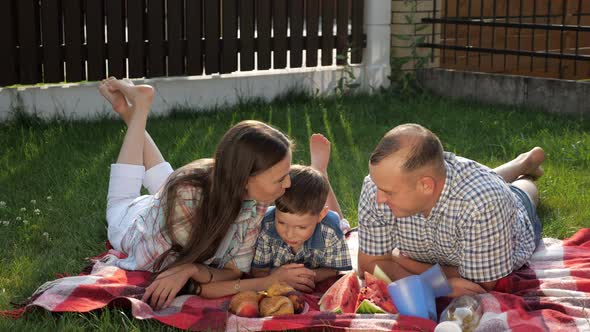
x=270 y=184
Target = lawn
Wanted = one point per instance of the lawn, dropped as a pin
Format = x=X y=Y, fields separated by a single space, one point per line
x=54 y=175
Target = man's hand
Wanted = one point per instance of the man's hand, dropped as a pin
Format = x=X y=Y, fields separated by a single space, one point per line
x=163 y=290
x=462 y=286
x=296 y=275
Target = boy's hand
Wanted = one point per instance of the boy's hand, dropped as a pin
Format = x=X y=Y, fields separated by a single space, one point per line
x=296 y=275
x=163 y=290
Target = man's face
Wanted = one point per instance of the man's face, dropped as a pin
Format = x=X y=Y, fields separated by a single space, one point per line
x=400 y=190
x=295 y=229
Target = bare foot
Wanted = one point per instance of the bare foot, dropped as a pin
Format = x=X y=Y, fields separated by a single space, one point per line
x=319 y=149
x=533 y=160
x=139 y=96
x=117 y=100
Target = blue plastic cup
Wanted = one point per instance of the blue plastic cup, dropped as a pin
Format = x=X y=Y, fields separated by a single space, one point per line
x=435 y=277
x=412 y=298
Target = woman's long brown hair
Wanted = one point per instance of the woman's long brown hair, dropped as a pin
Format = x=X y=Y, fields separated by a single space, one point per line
x=247 y=149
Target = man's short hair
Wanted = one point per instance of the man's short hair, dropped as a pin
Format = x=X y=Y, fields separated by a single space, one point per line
x=424 y=147
x=307 y=194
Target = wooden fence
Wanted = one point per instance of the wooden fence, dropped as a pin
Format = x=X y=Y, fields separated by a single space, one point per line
x=547 y=38
x=48 y=41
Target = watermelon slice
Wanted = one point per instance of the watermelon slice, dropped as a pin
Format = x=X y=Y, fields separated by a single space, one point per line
x=376 y=294
x=368 y=307
x=342 y=296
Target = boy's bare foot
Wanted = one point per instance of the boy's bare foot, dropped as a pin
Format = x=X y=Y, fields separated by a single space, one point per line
x=533 y=160
x=117 y=100
x=139 y=96
x=319 y=149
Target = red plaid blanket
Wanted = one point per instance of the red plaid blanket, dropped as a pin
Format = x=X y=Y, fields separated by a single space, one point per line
x=552 y=293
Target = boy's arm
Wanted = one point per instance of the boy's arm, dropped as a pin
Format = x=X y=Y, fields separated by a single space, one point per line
x=324 y=273
x=259 y=272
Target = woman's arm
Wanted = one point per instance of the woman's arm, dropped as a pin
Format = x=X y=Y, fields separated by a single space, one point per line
x=231 y=287
x=296 y=275
x=258 y=272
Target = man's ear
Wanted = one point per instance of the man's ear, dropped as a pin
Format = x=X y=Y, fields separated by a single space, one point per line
x=323 y=214
x=427 y=184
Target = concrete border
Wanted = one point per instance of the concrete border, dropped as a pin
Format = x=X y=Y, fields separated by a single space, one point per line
x=82 y=101
x=552 y=95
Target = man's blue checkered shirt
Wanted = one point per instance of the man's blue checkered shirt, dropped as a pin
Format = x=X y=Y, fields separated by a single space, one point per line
x=477 y=225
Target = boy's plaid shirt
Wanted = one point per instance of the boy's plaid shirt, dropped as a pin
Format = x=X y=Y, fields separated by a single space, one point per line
x=326 y=248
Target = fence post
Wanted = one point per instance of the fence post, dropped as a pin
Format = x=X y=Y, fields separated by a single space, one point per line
x=376 y=55
x=404 y=32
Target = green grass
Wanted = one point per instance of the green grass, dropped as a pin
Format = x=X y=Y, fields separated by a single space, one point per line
x=69 y=161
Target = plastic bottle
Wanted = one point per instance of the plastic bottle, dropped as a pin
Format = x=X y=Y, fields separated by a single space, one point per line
x=462 y=315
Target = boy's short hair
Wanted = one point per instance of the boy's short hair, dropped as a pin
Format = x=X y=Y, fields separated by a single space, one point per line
x=307 y=194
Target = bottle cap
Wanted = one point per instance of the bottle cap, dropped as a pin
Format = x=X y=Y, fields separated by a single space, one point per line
x=448 y=326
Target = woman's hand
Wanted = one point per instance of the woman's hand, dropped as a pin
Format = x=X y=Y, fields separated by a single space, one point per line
x=296 y=275
x=462 y=286
x=163 y=290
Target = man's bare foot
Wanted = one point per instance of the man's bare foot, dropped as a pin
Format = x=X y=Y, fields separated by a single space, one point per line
x=319 y=149
x=139 y=96
x=117 y=100
x=533 y=160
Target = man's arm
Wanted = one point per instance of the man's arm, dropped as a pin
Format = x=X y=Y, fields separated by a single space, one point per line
x=488 y=285
x=417 y=267
x=386 y=263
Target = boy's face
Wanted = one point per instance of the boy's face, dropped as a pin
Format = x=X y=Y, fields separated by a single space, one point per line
x=295 y=229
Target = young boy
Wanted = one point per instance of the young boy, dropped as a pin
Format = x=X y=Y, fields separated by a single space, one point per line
x=301 y=229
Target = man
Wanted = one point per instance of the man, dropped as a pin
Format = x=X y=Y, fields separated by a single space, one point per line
x=479 y=224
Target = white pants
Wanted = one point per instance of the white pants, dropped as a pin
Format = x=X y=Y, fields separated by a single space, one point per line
x=124 y=189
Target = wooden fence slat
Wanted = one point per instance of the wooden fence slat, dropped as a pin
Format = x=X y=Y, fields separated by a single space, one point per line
x=95 y=46
x=175 y=24
x=211 y=36
x=28 y=36
x=296 y=32
x=74 y=38
x=312 y=15
x=229 y=51
x=116 y=41
x=155 y=24
x=263 y=28
x=357 y=31
x=328 y=8
x=8 y=56
x=194 y=33
x=246 y=35
x=342 y=32
x=279 y=23
x=135 y=38
x=53 y=69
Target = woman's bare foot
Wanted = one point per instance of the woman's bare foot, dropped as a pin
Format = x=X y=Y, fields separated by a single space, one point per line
x=533 y=160
x=117 y=100
x=139 y=96
x=319 y=149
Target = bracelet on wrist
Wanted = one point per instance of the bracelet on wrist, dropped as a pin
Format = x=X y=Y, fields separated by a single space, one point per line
x=198 y=288
x=210 y=274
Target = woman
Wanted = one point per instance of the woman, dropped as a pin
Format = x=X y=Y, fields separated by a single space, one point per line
x=199 y=223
